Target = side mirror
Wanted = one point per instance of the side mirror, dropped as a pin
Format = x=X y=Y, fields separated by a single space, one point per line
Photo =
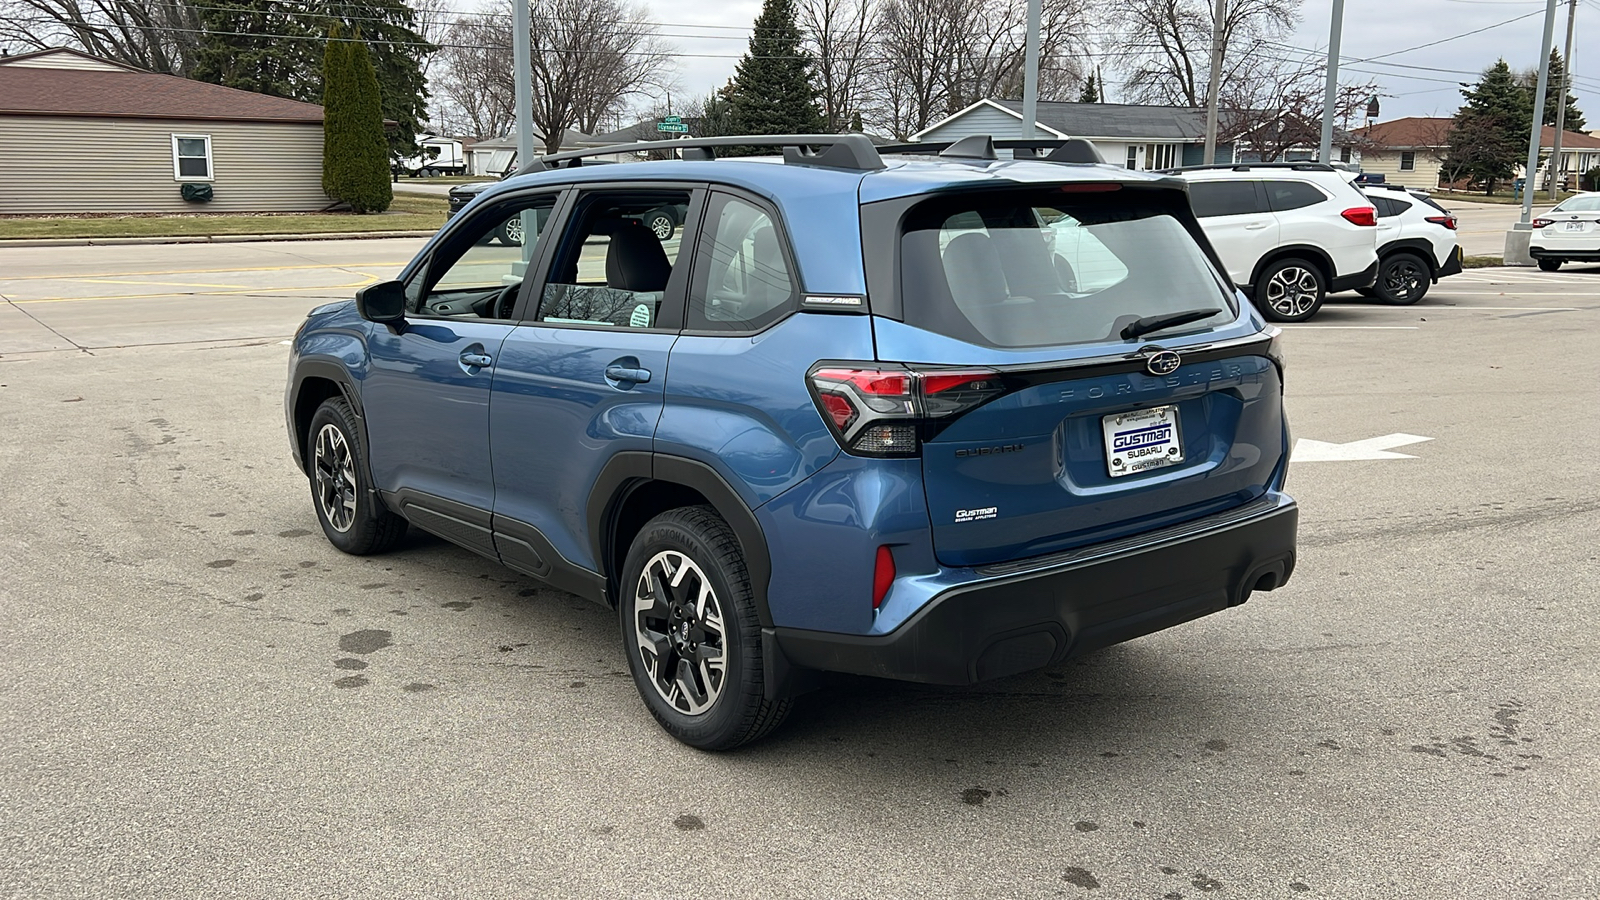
x=384 y=302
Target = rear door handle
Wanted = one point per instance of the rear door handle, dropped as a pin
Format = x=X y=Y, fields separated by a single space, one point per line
x=1256 y=226
x=615 y=372
x=481 y=360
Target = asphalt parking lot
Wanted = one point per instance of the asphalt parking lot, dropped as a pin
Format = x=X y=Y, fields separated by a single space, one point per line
x=199 y=697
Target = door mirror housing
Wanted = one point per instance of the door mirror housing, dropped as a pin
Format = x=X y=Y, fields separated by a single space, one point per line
x=384 y=302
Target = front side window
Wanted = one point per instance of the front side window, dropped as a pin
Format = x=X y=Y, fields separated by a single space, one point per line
x=616 y=259
x=1408 y=160
x=479 y=269
x=1286 y=195
x=1042 y=268
x=191 y=157
x=743 y=283
x=1224 y=198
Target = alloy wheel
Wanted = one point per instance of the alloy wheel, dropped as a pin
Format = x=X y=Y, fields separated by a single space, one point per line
x=661 y=227
x=513 y=228
x=1401 y=280
x=1292 y=291
x=336 y=479
x=682 y=639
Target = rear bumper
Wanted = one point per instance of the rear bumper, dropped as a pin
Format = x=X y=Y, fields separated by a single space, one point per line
x=1452 y=265
x=1036 y=613
x=1361 y=279
x=1560 y=253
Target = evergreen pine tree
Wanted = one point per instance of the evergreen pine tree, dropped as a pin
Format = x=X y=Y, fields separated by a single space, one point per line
x=771 y=91
x=1491 y=126
x=1091 y=91
x=1552 y=94
x=355 y=153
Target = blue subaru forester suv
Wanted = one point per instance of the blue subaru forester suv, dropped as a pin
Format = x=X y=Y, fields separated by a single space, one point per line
x=919 y=412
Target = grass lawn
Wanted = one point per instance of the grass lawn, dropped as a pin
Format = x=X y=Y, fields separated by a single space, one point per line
x=447 y=179
x=1481 y=262
x=1505 y=197
x=410 y=212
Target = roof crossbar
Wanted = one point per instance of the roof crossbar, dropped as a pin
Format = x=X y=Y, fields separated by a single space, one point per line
x=838 y=151
x=1245 y=167
x=1061 y=150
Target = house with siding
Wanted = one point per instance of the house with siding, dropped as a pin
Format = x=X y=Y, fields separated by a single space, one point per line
x=1139 y=137
x=1408 y=151
x=103 y=137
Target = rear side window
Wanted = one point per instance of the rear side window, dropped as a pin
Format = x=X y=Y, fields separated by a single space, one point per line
x=1043 y=268
x=1224 y=198
x=1286 y=195
x=742 y=280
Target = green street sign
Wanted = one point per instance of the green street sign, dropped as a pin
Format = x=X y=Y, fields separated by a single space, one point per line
x=672 y=120
x=673 y=127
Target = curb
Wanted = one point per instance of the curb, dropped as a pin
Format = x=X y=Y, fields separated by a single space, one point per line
x=209 y=239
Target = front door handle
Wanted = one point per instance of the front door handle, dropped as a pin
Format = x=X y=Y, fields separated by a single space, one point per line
x=628 y=374
x=480 y=360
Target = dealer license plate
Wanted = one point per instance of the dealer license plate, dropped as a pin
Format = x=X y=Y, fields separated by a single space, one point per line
x=1141 y=440
x=1574 y=226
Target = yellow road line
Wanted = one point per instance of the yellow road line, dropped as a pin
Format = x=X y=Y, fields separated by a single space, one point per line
x=91 y=275
x=370 y=279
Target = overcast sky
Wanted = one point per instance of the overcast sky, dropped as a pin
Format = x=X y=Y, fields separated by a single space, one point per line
x=1371 y=28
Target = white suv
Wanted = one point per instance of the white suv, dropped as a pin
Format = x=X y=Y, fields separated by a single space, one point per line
x=1288 y=233
x=1416 y=244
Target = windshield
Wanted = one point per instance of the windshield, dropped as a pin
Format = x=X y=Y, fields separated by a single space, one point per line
x=1041 y=268
x=1585 y=203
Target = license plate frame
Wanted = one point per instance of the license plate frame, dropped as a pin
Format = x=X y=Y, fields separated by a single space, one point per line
x=1140 y=440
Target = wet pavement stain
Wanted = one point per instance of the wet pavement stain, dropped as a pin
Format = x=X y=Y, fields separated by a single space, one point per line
x=251 y=598
x=1205 y=882
x=688 y=822
x=1216 y=746
x=975 y=796
x=293 y=533
x=352 y=681
x=1299 y=887
x=1168 y=870
x=364 y=641
x=417 y=687
x=457 y=605
x=577 y=684
x=350 y=662
x=220 y=563
x=243 y=532
x=1081 y=877
x=1085 y=826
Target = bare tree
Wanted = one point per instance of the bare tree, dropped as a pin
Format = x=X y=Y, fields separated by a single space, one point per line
x=474 y=80
x=838 y=33
x=158 y=36
x=1274 y=106
x=1167 y=44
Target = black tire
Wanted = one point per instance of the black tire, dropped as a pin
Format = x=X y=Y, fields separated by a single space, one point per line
x=663 y=628
x=341 y=492
x=661 y=223
x=1549 y=265
x=1290 y=290
x=1403 y=279
x=510 y=231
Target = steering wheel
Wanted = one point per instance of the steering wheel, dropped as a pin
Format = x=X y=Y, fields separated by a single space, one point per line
x=504 y=302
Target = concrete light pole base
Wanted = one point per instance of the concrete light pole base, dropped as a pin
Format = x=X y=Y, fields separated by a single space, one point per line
x=1517 y=240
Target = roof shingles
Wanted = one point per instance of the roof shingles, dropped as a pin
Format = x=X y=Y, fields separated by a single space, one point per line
x=27 y=91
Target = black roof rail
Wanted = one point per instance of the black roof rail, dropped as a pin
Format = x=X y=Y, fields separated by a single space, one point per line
x=1072 y=150
x=1245 y=167
x=852 y=152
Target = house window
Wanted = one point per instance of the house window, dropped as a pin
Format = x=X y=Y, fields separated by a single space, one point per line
x=1344 y=154
x=191 y=157
x=1408 y=161
x=1161 y=156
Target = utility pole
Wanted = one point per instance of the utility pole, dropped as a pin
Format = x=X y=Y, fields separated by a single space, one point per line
x=1218 y=15
x=1329 y=93
x=1538 y=113
x=1561 y=104
x=1030 y=72
x=522 y=58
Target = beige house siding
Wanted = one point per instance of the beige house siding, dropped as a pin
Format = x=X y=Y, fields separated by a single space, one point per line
x=1387 y=163
x=63 y=61
x=71 y=165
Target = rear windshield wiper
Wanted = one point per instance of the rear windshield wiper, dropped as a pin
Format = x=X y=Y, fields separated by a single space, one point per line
x=1148 y=324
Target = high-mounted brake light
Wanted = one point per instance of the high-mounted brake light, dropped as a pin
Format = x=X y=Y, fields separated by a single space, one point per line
x=1543 y=223
x=881 y=410
x=1447 y=221
x=1361 y=215
x=1090 y=188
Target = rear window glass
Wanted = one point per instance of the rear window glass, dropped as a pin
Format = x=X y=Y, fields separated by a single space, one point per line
x=1224 y=198
x=1030 y=269
x=1430 y=202
x=1589 y=203
x=1287 y=195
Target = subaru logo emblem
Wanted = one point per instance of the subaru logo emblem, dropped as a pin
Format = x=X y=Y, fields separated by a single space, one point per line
x=1164 y=362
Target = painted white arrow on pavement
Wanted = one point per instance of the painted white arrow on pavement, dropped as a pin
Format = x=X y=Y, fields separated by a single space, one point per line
x=1306 y=450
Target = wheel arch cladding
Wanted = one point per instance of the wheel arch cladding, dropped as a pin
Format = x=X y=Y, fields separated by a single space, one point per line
x=315 y=388
x=1313 y=255
x=635 y=487
x=1413 y=246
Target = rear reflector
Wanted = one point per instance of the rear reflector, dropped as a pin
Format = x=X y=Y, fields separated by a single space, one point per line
x=882 y=575
x=1361 y=215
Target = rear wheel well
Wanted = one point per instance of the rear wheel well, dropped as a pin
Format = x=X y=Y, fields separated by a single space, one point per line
x=313 y=393
x=642 y=502
x=1315 y=257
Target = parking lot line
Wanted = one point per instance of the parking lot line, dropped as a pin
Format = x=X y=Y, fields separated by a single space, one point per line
x=93 y=275
x=370 y=279
x=1353 y=327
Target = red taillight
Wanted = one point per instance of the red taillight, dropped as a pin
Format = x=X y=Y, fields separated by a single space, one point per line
x=882 y=575
x=1543 y=223
x=879 y=411
x=1447 y=221
x=1091 y=188
x=1361 y=215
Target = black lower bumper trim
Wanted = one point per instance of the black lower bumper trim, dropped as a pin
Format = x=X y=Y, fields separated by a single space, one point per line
x=1542 y=253
x=1012 y=624
x=1452 y=266
x=1361 y=279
